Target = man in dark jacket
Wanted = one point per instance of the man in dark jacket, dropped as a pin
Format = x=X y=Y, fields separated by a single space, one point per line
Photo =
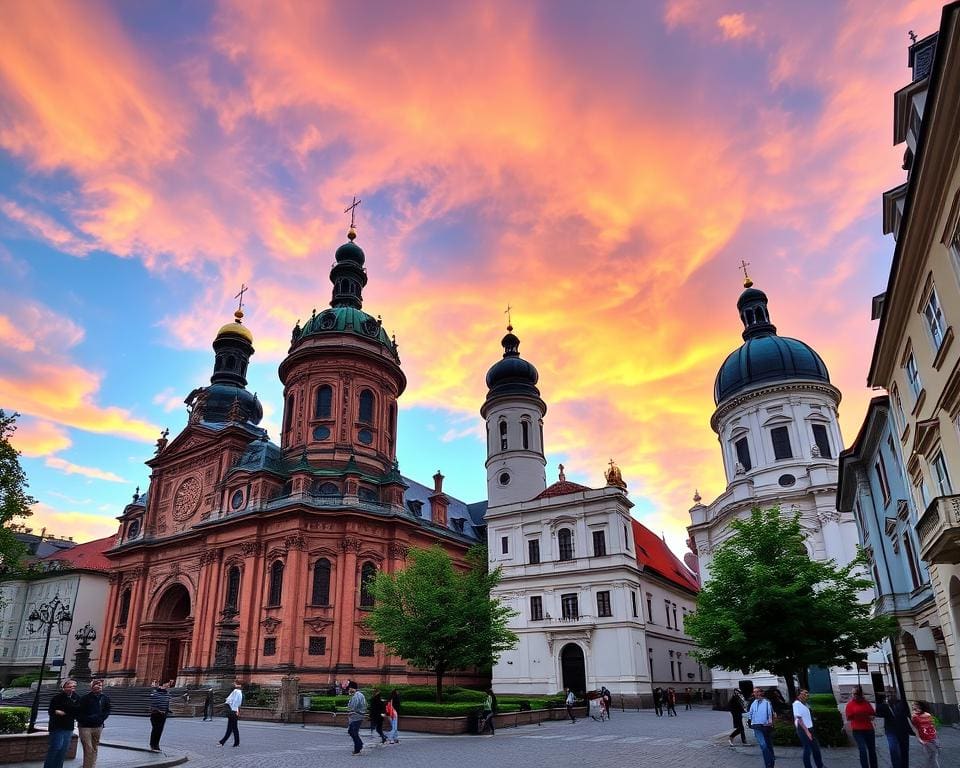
x=159 y=710
x=896 y=726
x=93 y=711
x=63 y=715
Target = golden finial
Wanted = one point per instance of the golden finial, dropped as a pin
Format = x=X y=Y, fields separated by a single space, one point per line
x=747 y=282
x=352 y=233
x=614 y=478
x=238 y=315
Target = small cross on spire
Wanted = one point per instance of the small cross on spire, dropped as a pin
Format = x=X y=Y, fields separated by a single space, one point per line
x=747 y=282
x=243 y=290
x=351 y=209
x=509 y=320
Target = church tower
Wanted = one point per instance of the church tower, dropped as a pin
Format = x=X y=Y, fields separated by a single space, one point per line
x=342 y=378
x=514 y=414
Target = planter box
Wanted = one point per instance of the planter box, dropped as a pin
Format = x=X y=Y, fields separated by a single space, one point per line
x=29 y=747
x=447 y=725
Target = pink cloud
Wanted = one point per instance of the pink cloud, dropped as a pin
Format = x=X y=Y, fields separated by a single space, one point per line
x=734 y=26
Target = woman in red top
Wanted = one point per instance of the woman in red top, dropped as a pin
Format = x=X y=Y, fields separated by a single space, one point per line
x=860 y=713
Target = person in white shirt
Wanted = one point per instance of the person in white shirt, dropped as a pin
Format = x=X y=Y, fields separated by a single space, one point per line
x=804 y=722
x=233 y=702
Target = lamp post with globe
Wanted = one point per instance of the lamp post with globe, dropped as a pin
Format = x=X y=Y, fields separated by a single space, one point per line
x=46 y=615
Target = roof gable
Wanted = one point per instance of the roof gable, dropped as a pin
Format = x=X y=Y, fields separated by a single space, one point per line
x=653 y=554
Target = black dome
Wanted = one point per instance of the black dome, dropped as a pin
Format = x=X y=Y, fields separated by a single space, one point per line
x=219 y=401
x=350 y=251
x=512 y=375
x=765 y=360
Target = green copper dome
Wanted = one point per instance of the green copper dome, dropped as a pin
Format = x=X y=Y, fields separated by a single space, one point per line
x=346 y=319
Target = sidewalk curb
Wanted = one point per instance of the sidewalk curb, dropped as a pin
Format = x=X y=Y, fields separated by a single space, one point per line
x=166 y=761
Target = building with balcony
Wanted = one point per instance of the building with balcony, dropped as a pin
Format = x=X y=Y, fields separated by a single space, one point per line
x=914 y=357
x=874 y=490
x=599 y=599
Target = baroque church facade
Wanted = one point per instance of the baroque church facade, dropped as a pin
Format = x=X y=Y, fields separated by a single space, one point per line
x=249 y=558
x=777 y=424
x=598 y=598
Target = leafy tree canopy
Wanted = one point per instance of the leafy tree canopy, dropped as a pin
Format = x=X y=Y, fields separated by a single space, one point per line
x=439 y=618
x=769 y=606
x=15 y=502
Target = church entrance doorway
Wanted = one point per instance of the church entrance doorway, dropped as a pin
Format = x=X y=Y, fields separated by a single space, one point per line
x=165 y=640
x=572 y=668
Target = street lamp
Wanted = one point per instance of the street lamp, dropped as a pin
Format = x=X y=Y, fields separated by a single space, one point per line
x=46 y=615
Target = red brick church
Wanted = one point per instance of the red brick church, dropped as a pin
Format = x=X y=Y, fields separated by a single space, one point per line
x=249 y=559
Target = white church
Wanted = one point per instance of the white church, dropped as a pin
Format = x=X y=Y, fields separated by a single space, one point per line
x=776 y=421
x=600 y=599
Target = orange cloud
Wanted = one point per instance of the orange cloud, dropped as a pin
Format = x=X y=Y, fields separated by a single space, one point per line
x=70 y=468
x=78 y=525
x=40 y=438
x=734 y=26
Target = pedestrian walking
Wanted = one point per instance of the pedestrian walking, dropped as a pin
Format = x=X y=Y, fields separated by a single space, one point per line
x=571 y=699
x=159 y=711
x=658 y=701
x=607 y=698
x=377 y=709
x=926 y=734
x=896 y=727
x=489 y=710
x=736 y=708
x=803 y=720
x=688 y=699
x=671 y=702
x=232 y=711
x=760 y=719
x=93 y=711
x=208 y=705
x=391 y=710
x=63 y=709
x=356 y=711
x=860 y=713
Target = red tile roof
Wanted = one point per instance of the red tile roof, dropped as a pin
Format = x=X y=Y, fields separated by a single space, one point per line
x=653 y=554
x=562 y=488
x=88 y=555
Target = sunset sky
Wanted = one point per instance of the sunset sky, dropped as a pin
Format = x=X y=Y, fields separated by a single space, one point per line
x=602 y=167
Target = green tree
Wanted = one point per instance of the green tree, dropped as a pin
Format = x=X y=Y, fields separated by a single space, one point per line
x=15 y=502
x=439 y=618
x=769 y=606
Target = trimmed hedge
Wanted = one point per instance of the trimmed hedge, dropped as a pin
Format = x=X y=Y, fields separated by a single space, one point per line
x=828 y=728
x=431 y=708
x=822 y=700
x=14 y=719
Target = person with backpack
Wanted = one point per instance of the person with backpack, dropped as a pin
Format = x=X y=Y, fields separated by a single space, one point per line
x=736 y=710
x=570 y=701
x=377 y=710
x=761 y=721
x=896 y=727
x=607 y=698
x=356 y=711
x=489 y=710
x=926 y=734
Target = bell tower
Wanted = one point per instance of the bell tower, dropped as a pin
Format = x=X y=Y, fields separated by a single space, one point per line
x=514 y=413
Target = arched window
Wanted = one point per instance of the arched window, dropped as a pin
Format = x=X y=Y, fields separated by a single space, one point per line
x=276 y=582
x=324 y=402
x=367 y=572
x=503 y=435
x=124 y=608
x=232 y=600
x=288 y=416
x=366 y=406
x=321 y=582
x=525 y=432
x=565 y=542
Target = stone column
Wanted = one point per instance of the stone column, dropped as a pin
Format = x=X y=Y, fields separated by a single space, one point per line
x=251 y=601
x=296 y=582
x=288 y=702
x=109 y=624
x=347 y=602
x=135 y=618
x=208 y=585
